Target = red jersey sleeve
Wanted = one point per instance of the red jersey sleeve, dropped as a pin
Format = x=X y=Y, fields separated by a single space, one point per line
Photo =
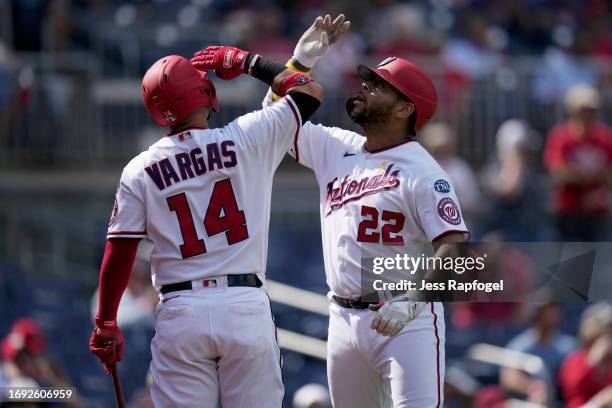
x=577 y=380
x=115 y=272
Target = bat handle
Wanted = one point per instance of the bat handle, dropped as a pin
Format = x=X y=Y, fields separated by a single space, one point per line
x=117 y=384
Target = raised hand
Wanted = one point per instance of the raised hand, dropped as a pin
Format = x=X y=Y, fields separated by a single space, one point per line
x=316 y=40
x=227 y=62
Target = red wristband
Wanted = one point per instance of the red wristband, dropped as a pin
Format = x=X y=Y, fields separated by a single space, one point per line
x=291 y=81
x=105 y=324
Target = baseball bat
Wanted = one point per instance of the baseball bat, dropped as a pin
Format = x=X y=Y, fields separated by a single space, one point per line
x=117 y=384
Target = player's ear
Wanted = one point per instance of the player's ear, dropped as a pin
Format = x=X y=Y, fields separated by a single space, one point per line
x=403 y=109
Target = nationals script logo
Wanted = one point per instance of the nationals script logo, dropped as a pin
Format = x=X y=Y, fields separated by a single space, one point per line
x=342 y=192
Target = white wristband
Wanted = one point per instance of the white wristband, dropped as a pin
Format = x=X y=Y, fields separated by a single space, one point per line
x=304 y=59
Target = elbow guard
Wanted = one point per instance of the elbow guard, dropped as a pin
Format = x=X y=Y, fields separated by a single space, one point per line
x=291 y=81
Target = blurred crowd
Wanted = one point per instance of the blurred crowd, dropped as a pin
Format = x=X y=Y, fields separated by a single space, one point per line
x=522 y=130
x=468 y=39
x=568 y=370
x=475 y=35
x=577 y=154
x=541 y=364
x=465 y=44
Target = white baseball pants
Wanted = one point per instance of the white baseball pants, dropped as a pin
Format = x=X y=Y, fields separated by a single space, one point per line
x=366 y=369
x=216 y=345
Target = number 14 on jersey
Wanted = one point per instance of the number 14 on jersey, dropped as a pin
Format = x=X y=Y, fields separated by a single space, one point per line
x=222 y=215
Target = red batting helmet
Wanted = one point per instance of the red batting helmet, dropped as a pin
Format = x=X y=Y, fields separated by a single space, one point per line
x=172 y=89
x=410 y=81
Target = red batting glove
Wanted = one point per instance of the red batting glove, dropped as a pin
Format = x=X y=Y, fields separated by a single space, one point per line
x=107 y=343
x=227 y=62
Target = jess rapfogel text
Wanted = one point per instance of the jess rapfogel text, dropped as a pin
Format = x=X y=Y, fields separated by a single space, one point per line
x=451 y=284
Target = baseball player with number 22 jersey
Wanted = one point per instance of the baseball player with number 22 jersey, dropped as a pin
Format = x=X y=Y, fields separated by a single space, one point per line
x=202 y=196
x=384 y=189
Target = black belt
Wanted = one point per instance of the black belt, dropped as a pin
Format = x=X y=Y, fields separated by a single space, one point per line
x=247 y=279
x=352 y=303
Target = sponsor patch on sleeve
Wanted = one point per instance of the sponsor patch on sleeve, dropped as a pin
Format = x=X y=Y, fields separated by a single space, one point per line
x=449 y=211
x=442 y=186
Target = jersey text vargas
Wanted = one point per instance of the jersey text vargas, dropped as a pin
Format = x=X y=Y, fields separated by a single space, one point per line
x=192 y=164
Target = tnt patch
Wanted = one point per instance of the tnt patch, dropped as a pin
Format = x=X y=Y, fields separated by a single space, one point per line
x=442 y=186
x=448 y=211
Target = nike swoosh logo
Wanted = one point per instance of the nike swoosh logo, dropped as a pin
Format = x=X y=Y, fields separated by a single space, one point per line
x=347 y=154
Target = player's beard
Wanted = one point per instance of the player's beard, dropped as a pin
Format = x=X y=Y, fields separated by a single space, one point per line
x=370 y=115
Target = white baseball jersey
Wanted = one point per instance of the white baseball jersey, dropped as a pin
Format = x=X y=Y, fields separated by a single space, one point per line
x=203 y=196
x=392 y=196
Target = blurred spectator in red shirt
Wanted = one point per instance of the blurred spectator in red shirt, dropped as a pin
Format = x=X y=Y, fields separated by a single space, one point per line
x=585 y=377
x=578 y=155
x=26 y=335
x=490 y=396
x=24 y=360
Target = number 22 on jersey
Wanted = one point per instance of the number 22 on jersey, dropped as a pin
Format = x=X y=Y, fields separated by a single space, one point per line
x=222 y=215
x=390 y=231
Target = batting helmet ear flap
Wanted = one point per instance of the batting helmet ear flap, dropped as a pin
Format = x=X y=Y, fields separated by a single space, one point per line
x=211 y=92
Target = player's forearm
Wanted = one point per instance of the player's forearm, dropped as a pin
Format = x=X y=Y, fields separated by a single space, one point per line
x=294 y=65
x=282 y=79
x=306 y=93
x=435 y=276
x=447 y=246
x=115 y=272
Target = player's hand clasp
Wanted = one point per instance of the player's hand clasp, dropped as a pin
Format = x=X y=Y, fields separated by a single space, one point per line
x=394 y=315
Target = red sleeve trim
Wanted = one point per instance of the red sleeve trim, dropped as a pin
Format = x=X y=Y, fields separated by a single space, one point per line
x=126 y=234
x=298 y=121
x=450 y=232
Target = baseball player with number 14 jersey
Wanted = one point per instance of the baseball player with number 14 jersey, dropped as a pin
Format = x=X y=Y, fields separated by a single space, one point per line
x=202 y=196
